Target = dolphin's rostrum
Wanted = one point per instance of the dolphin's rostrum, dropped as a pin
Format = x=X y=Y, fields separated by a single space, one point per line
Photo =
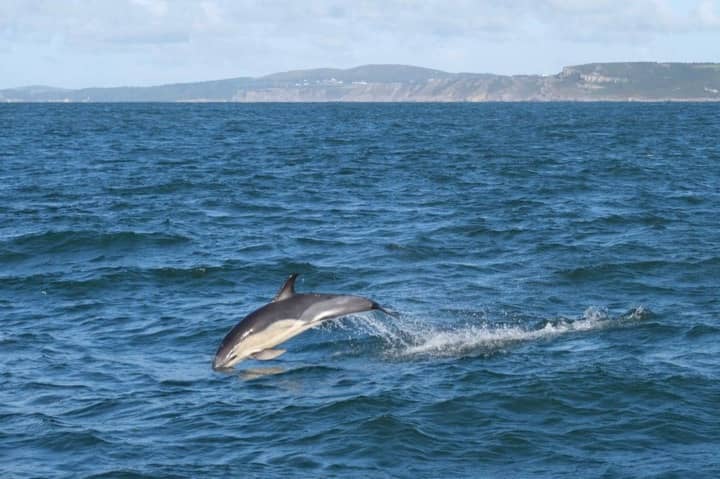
x=288 y=315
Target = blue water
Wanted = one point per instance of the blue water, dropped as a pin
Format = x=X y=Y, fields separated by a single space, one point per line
x=555 y=267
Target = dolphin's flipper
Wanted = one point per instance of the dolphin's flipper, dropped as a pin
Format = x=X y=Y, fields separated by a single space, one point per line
x=288 y=289
x=267 y=354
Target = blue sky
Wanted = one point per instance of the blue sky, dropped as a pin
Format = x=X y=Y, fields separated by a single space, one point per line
x=77 y=43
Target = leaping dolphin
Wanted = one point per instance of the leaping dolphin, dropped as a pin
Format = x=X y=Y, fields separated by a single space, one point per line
x=288 y=315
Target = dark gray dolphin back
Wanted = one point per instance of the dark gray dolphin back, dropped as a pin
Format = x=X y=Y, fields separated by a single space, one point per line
x=290 y=308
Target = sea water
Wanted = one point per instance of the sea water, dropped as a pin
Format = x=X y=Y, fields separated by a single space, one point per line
x=555 y=269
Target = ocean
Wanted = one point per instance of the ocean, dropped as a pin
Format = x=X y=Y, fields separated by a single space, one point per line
x=555 y=269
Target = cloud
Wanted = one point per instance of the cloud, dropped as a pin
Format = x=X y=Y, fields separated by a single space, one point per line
x=157 y=8
x=652 y=17
x=160 y=21
x=708 y=14
x=91 y=24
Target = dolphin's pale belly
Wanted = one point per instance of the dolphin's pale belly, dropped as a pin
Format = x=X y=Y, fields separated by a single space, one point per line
x=278 y=332
x=282 y=330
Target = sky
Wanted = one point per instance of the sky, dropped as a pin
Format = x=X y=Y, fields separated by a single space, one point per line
x=82 y=43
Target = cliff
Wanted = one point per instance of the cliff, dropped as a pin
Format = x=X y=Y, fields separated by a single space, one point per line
x=639 y=81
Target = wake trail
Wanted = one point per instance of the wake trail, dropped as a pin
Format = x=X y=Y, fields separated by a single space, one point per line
x=407 y=337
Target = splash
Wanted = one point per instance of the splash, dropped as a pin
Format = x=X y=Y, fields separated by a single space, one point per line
x=406 y=337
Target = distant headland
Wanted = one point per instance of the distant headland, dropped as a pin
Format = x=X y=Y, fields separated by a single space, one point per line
x=630 y=81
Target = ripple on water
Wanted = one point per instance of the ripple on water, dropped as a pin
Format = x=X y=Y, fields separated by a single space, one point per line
x=516 y=241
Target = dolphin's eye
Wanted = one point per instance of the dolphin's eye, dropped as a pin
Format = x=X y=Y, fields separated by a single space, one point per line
x=232 y=357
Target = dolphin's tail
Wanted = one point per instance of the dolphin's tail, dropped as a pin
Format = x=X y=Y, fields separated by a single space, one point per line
x=392 y=314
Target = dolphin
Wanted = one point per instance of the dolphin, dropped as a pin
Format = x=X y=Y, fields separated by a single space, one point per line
x=288 y=315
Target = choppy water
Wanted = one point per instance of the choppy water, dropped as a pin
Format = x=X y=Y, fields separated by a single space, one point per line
x=556 y=268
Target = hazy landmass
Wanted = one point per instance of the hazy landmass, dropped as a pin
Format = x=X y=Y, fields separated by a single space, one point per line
x=636 y=81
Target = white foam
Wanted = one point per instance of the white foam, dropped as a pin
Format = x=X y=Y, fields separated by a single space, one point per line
x=408 y=337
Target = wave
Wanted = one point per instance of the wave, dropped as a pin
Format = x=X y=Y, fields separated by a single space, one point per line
x=407 y=338
x=78 y=240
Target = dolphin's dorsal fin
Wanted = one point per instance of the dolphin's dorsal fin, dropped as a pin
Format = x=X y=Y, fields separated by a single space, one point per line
x=288 y=289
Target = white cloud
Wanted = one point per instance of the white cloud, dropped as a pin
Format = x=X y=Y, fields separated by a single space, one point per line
x=96 y=20
x=157 y=8
x=708 y=14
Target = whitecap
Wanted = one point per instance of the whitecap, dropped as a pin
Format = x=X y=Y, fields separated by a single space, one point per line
x=408 y=337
